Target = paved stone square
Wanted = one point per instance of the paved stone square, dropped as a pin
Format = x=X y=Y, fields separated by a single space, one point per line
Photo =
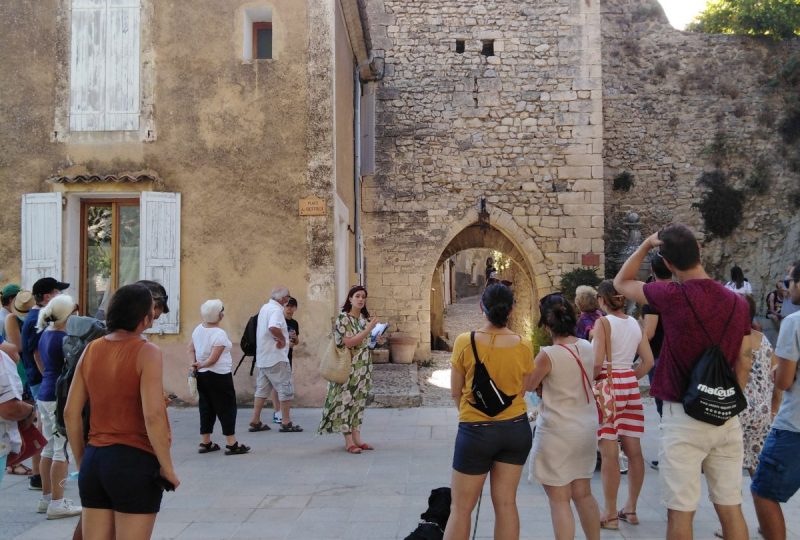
x=301 y=486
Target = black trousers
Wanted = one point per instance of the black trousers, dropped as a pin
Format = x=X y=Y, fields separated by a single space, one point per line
x=217 y=400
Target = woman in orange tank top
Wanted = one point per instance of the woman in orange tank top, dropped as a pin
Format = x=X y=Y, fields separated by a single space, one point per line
x=127 y=464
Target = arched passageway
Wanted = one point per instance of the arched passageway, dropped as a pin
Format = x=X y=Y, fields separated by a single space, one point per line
x=460 y=272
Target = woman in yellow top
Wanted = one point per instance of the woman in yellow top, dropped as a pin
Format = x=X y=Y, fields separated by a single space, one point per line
x=489 y=441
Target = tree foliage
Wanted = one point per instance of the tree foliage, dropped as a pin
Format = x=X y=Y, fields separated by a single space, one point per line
x=778 y=19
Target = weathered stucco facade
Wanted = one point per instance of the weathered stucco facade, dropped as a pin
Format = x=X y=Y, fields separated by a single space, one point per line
x=520 y=126
x=241 y=141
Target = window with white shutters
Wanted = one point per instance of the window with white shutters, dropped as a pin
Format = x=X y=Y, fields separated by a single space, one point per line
x=104 y=65
x=160 y=255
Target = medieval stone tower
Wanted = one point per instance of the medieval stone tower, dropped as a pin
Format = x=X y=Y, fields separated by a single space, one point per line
x=489 y=134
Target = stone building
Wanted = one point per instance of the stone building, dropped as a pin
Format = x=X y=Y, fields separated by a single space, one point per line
x=503 y=124
x=177 y=141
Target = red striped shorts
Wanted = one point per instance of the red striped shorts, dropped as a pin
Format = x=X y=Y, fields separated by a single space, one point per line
x=629 y=418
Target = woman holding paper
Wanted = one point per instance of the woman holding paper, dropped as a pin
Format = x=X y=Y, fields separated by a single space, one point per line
x=344 y=407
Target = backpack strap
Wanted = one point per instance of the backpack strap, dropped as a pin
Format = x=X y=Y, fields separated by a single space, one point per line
x=583 y=371
x=474 y=349
x=733 y=310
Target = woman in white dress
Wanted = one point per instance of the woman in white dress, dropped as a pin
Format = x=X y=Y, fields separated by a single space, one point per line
x=565 y=443
x=738 y=282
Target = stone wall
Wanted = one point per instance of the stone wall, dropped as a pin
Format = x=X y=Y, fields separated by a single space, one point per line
x=522 y=128
x=676 y=104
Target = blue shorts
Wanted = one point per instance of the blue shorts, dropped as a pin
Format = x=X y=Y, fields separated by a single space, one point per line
x=120 y=478
x=777 y=477
x=480 y=444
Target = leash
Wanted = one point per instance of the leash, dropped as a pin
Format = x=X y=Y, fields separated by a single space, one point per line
x=477 y=513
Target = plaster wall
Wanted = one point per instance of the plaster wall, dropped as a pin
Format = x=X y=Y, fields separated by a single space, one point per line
x=522 y=128
x=241 y=141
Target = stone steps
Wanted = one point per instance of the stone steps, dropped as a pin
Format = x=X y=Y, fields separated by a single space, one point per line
x=394 y=385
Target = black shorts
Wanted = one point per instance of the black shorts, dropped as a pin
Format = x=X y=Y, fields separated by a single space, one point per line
x=479 y=444
x=120 y=478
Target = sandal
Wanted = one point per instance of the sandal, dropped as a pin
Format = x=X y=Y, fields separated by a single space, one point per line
x=628 y=517
x=205 y=448
x=236 y=449
x=365 y=446
x=258 y=426
x=353 y=449
x=611 y=524
x=19 y=469
x=290 y=428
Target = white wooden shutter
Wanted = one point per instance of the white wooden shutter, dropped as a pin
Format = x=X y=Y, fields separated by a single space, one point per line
x=104 y=76
x=41 y=237
x=368 y=134
x=122 y=66
x=87 y=65
x=160 y=245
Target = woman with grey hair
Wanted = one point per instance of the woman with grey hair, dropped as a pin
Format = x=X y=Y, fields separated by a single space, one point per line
x=210 y=352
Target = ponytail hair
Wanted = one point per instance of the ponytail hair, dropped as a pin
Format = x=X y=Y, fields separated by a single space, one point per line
x=496 y=303
x=56 y=311
x=610 y=296
x=557 y=315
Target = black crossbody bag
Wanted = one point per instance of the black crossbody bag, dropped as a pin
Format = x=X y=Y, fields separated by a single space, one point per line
x=489 y=399
x=713 y=394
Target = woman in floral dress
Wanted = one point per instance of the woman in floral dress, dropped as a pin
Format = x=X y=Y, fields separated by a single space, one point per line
x=344 y=407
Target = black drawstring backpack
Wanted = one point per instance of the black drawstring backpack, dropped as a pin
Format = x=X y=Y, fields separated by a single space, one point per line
x=489 y=399
x=713 y=395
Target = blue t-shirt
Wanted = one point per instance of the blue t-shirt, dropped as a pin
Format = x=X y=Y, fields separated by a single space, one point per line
x=51 y=350
x=30 y=342
x=788 y=348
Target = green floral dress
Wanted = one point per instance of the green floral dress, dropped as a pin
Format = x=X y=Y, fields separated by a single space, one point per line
x=344 y=407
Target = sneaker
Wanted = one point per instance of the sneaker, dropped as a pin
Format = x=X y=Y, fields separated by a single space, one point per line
x=35 y=482
x=64 y=508
x=654 y=464
x=623 y=464
x=41 y=508
x=276 y=418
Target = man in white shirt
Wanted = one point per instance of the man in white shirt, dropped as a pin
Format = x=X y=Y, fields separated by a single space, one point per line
x=272 y=361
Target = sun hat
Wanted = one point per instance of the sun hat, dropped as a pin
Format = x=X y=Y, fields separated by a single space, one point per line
x=23 y=303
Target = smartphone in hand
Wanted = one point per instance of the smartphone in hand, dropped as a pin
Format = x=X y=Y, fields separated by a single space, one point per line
x=163 y=483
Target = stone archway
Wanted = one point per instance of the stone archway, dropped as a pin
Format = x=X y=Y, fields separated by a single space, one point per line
x=503 y=235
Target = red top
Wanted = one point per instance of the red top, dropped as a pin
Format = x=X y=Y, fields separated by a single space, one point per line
x=684 y=339
x=112 y=382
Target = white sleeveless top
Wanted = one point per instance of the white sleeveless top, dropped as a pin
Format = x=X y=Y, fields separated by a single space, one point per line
x=626 y=334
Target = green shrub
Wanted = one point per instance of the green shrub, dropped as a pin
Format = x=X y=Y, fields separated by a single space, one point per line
x=721 y=206
x=789 y=128
x=623 y=181
x=760 y=178
x=583 y=275
x=540 y=338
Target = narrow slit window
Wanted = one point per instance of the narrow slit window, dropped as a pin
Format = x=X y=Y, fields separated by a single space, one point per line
x=460 y=46
x=262 y=40
x=488 y=47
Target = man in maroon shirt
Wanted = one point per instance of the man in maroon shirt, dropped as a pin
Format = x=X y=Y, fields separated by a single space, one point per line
x=690 y=448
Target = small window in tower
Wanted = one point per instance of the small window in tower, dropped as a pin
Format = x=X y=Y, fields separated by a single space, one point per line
x=262 y=40
x=488 y=47
x=460 y=46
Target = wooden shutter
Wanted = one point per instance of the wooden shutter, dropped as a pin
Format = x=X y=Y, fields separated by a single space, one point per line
x=122 y=66
x=41 y=237
x=87 y=65
x=368 y=133
x=104 y=76
x=160 y=248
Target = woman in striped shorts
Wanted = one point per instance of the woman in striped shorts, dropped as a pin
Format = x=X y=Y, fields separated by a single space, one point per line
x=627 y=424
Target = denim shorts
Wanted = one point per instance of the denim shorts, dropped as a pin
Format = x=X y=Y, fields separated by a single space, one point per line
x=120 y=478
x=777 y=477
x=480 y=444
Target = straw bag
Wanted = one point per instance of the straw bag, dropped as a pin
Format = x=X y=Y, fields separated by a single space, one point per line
x=604 y=388
x=335 y=363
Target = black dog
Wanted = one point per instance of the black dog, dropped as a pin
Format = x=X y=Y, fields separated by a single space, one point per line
x=434 y=519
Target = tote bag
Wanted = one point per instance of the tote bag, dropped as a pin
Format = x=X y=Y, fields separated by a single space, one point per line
x=32 y=443
x=604 y=388
x=335 y=363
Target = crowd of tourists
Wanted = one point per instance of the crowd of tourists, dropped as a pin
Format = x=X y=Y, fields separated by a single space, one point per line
x=587 y=380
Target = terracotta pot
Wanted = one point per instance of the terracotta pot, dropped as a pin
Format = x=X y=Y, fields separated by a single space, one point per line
x=402 y=347
x=380 y=356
